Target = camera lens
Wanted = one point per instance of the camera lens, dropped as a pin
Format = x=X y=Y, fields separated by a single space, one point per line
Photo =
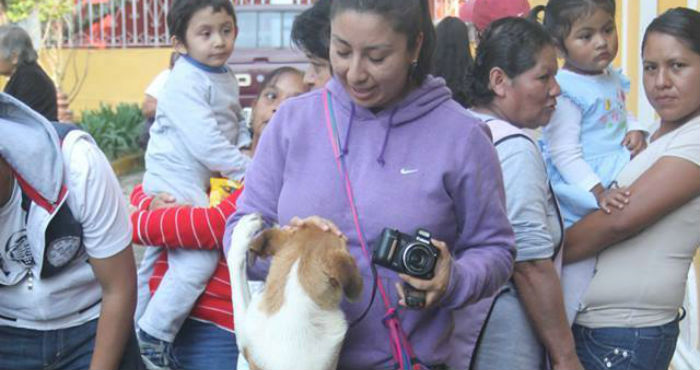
x=418 y=259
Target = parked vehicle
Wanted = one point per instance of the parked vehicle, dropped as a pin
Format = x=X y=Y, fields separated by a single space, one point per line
x=263 y=44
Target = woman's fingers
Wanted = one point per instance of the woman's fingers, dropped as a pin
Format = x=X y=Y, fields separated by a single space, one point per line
x=401 y=293
x=436 y=287
x=320 y=222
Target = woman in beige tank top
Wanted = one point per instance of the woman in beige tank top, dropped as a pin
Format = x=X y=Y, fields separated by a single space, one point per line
x=630 y=312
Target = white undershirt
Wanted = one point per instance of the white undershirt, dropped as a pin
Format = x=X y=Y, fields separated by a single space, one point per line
x=156 y=86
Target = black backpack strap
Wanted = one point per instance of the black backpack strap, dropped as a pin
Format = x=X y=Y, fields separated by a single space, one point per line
x=26 y=201
x=64 y=242
x=64 y=234
x=513 y=136
x=549 y=184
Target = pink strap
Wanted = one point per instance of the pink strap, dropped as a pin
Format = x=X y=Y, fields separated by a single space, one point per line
x=396 y=334
x=351 y=198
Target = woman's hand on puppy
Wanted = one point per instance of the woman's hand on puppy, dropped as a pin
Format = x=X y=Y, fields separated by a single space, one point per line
x=322 y=223
x=434 y=288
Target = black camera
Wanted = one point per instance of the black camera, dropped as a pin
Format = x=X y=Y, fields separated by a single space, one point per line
x=412 y=255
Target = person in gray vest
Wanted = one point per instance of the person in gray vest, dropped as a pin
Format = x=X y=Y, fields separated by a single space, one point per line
x=67 y=274
x=512 y=88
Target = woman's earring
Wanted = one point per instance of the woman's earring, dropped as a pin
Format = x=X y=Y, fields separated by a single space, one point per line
x=412 y=69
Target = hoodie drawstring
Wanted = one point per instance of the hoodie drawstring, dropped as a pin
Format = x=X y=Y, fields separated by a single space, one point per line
x=380 y=158
x=344 y=149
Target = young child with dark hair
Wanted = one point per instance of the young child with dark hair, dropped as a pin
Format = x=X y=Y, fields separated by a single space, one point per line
x=197 y=134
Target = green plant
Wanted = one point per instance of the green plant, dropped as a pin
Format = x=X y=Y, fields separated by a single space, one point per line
x=49 y=10
x=116 y=131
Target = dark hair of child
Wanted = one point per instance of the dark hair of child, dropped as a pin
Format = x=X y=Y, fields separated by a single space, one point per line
x=181 y=11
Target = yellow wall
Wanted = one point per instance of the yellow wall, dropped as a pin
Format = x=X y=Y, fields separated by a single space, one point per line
x=667 y=4
x=631 y=68
x=121 y=75
x=113 y=75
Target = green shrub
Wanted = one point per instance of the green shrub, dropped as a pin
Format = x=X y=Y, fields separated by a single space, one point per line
x=116 y=131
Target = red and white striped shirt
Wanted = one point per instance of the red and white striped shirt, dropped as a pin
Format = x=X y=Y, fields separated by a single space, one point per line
x=192 y=228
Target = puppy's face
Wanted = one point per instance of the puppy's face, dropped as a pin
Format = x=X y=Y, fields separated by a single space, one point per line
x=327 y=270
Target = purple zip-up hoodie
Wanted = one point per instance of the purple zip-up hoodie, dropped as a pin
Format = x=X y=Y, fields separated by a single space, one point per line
x=423 y=162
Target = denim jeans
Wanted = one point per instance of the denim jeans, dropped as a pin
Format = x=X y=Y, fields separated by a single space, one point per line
x=202 y=346
x=626 y=348
x=69 y=348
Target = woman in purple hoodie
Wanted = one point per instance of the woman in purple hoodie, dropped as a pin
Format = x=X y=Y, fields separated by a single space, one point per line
x=414 y=159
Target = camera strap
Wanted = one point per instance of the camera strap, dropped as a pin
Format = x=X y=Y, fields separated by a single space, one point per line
x=401 y=348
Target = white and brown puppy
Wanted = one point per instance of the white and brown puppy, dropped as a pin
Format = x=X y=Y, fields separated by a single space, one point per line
x=295 y=322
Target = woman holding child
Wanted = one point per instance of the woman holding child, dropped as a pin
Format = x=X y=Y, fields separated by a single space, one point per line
x=630 y=311
x=413 y=159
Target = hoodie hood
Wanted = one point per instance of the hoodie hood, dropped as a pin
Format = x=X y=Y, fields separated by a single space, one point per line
x=31 y=147
x=417 y=103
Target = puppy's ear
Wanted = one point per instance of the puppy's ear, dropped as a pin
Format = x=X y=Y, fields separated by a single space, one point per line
x=268 y=242
x=344 y=272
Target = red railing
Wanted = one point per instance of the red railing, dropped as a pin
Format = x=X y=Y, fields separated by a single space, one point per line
x=132 y=23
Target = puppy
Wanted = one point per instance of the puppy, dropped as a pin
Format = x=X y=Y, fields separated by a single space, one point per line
x=295 y=322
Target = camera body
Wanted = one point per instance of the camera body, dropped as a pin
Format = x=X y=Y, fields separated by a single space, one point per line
x=408 y=254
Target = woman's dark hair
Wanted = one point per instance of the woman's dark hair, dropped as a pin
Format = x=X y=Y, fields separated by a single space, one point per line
x=311 y=30
x=511 y=44
x=452 y=57
x=181 y=12
x=274 y=75
x=14 y=40
x=560 y=15
x=408 y=17
x=681 y=23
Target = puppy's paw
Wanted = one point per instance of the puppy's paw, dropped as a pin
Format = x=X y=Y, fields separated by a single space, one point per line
x=244 y=232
